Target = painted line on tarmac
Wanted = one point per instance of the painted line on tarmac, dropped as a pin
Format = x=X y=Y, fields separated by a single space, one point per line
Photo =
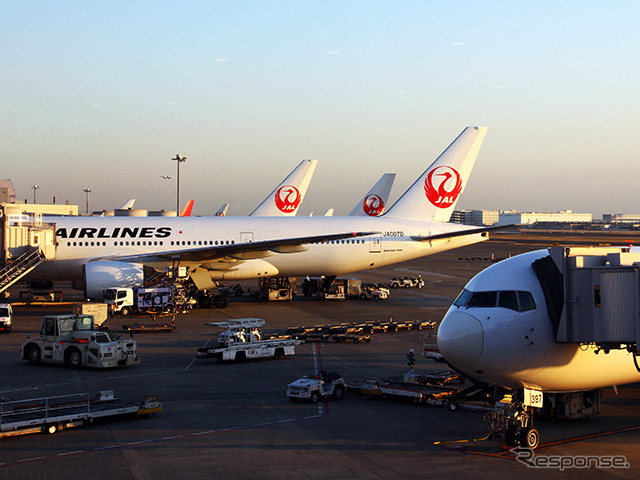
x=194 y=358
x=158 y=440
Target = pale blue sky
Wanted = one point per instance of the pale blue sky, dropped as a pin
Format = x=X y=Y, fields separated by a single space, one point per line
x=104 y=94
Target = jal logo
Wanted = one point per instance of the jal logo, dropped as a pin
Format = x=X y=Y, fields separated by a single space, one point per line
x=219 y=214
x=443 y=186
x=373 y=205
x=288 y=198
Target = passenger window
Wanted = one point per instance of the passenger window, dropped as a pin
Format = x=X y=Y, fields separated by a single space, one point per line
x=526 y=301
x=508 y=300
x=483 y=299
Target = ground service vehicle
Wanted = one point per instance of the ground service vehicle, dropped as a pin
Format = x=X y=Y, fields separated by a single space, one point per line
x=53 y=414
x=316 y=387
x=242 y=340
x=99 y=311
x=5 y=317
x=73 y=340
x=139 y=300
x=407 y=282
x=374 y=292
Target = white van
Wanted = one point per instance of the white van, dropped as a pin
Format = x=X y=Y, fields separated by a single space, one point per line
x=5 y=317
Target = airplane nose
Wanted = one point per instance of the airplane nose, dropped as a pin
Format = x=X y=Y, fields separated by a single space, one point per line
x=460 y=339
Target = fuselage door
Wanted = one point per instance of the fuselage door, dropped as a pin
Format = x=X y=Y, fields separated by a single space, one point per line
x=246 y=237
x=375 y=245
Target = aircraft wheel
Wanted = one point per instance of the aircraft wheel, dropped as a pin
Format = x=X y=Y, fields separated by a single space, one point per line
x=220 y=302
x=530 y=438
x=207 y=302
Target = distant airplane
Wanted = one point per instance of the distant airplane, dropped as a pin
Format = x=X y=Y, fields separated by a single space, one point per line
x=375 y=201
x=289 y=194
x=113 y=251
x=128 y=204
x=186 y=211
x=166 y=177
x=222 y=211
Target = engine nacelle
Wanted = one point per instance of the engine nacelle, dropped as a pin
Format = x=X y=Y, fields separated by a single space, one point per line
x=105 y=273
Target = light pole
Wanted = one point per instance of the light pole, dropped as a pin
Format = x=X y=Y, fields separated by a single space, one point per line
x=180 y=160
x=35 y=187
x=87 y=191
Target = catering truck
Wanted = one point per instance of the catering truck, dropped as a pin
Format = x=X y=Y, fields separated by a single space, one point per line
x=139 y=300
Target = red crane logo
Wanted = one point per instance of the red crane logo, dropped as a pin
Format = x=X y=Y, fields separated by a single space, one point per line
x=373 y=205
x=288 y=198
x=443 y=186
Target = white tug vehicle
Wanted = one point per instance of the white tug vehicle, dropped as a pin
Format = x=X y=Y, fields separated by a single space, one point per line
x=317 y=387
x=74 y=341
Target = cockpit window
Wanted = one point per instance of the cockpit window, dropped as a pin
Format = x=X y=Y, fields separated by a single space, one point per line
x=518 y=301
x=508 y=299
x=463 y=298
x=483 y=299
x=526 y=301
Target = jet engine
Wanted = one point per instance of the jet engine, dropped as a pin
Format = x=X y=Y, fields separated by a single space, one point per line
x=105 y=273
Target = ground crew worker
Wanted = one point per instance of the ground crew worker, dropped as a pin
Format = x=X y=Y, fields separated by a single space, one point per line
x=411 y=360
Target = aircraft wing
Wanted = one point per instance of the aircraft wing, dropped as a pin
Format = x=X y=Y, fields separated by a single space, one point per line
x=458 y=233
x=238 y=250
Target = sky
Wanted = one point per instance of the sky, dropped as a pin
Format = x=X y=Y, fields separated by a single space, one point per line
x=102 y=95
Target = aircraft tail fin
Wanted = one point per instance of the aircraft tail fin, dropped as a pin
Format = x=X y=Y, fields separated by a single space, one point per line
x=376 y=200
x=222 y=211
x=287 y=197
x=186 y=211
x=435 y=193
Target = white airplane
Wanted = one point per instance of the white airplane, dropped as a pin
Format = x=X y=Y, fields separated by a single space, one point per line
x=289 y=194
x=375 y=201
x=286 y=197
x=108 y=251
x=222 y=211
x=499 y=331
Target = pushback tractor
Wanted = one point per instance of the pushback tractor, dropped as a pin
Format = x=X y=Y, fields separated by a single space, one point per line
x=74 y=341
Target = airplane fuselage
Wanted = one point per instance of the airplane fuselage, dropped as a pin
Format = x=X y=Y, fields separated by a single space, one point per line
x=83 y=239
x=509 y=344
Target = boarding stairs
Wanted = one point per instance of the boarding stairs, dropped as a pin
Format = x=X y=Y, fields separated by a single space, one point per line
x=21 y=266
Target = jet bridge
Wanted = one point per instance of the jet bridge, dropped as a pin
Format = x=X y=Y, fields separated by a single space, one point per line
x=597 y=292
x=25 y=242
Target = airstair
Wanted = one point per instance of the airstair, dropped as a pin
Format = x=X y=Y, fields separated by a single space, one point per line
x=25 y=242
x=20 y=267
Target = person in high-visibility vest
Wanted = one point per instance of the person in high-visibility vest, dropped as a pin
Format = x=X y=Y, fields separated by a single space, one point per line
x=411 y=361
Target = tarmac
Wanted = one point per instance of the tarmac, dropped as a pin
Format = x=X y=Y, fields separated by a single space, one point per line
x=233 y=420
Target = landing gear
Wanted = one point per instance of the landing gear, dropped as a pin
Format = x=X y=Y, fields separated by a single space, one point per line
x=514 y=420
